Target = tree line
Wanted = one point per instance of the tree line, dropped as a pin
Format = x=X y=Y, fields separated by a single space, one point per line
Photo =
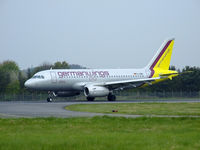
x=188 y=80
x=12 y=78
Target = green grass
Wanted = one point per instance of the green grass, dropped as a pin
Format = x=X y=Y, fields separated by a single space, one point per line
x=100 y=133
x=141 y=108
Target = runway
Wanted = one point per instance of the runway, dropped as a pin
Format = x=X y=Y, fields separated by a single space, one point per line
x=27 y=109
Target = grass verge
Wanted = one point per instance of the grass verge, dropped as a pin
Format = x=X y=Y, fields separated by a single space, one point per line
x=100 y=133
x=140 y=108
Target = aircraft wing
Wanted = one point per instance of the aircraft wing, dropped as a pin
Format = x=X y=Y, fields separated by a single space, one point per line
x=120 y=85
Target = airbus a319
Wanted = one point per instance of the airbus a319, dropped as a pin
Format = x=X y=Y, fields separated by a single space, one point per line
x=103 y=82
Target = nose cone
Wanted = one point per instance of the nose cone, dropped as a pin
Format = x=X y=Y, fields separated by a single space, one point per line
x=29 y=84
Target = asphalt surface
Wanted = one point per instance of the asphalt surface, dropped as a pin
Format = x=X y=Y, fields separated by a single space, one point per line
x=27 y=109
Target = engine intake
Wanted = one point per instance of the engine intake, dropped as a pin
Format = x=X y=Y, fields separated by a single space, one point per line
x=96 y=91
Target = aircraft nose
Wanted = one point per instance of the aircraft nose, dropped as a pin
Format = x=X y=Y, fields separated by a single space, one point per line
x=29 y=84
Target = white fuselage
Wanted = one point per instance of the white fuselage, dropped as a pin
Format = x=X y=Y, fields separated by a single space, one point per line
x=73 y=79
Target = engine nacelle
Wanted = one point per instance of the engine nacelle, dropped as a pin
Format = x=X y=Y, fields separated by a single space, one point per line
x=96 y=91
x=66 y=93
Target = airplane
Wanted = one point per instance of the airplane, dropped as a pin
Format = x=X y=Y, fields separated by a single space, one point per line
x=103 y=82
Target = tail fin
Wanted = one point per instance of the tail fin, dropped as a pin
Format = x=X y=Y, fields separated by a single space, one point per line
x=163 y=56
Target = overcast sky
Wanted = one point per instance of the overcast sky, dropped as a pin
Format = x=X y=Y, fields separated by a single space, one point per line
x=98 y=33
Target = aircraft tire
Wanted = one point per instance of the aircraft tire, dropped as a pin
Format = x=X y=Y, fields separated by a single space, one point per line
x=90 y=98
x=49 y=99
x=111 y=97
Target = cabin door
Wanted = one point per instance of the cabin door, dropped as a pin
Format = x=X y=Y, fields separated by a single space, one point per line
x=53 y=77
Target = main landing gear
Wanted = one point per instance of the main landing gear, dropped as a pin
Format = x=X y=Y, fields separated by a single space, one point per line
x=90 y=98
x=111 y=97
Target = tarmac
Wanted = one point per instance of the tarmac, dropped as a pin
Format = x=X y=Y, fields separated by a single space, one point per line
x=33 y=109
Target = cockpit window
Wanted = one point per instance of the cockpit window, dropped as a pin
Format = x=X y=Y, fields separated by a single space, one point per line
x=38 y=77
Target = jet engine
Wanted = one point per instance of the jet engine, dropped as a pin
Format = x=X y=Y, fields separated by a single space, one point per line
x=96 y=91
x=66 y=93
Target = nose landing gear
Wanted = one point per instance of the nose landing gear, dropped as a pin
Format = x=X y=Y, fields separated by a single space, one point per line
x=50 y=96
x=49 y=99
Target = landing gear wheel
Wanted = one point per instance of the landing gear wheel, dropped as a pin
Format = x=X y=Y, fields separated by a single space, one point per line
x=51 y=94
x=111 y=97
x=90 y=98
x=49 y=99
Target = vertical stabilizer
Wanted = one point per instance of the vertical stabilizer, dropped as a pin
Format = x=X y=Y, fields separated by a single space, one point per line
x=163 y=56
